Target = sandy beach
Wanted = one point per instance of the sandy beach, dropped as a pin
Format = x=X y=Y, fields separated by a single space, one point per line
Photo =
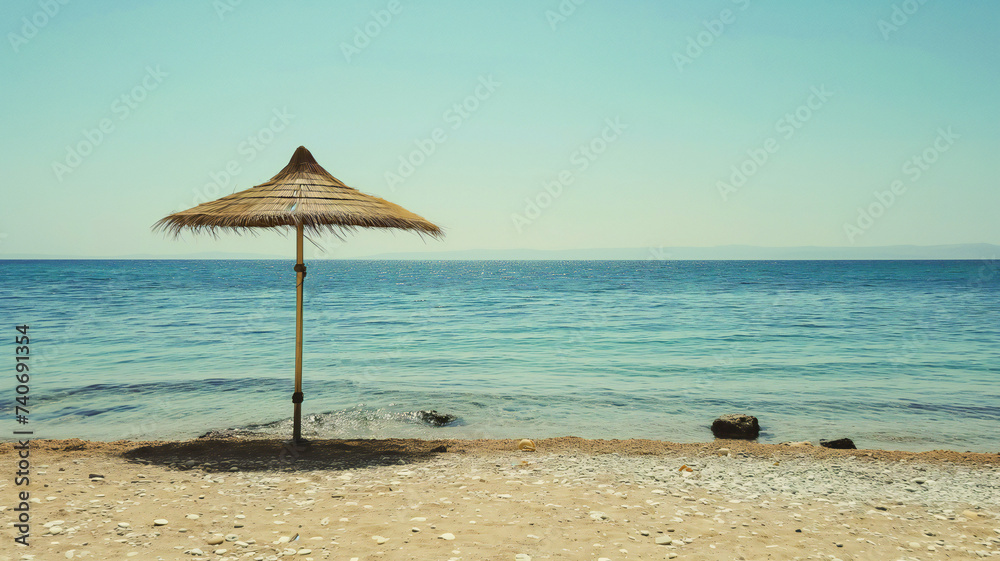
x=571 y=498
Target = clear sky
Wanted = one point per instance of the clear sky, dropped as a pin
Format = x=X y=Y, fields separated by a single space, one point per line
x=515 y=124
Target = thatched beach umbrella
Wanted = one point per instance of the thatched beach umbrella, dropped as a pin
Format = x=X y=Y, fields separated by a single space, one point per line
x=303 y=196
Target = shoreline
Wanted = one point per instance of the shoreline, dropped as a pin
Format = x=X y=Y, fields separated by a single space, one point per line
x=571 y=498
x=242 y=446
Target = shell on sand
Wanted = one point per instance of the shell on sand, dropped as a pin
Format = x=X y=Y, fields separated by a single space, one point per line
x=526 y=445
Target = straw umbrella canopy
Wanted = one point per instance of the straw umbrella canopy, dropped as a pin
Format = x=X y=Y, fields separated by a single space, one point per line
x=303 y=196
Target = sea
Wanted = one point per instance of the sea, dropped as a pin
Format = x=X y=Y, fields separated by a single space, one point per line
x=900 y=355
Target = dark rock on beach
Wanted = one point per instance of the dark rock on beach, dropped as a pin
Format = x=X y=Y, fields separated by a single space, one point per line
x=736 y=426
x=436 y=419
x=840 y=444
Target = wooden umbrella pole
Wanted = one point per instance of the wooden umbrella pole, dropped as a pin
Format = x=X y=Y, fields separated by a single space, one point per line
x=300 y=279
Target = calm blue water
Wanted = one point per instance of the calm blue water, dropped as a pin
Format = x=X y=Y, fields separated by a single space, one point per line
x=894 y=354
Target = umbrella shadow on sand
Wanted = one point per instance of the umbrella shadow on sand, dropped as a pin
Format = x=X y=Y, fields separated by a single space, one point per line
x=262 y=455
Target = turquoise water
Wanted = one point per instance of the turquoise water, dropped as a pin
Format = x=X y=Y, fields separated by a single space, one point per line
x=894 y=354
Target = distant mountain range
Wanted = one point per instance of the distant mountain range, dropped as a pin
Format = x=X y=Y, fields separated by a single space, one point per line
x=721 y=253
x=204 y=255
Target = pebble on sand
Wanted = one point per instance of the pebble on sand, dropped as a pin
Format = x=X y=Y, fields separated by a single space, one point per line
x=447 y=536
x=160 y=522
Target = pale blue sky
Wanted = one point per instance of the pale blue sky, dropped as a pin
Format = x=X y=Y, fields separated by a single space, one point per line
x=203 y=81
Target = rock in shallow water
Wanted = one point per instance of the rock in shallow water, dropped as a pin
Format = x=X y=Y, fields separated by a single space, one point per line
x=739 y=426
x=436 y=419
